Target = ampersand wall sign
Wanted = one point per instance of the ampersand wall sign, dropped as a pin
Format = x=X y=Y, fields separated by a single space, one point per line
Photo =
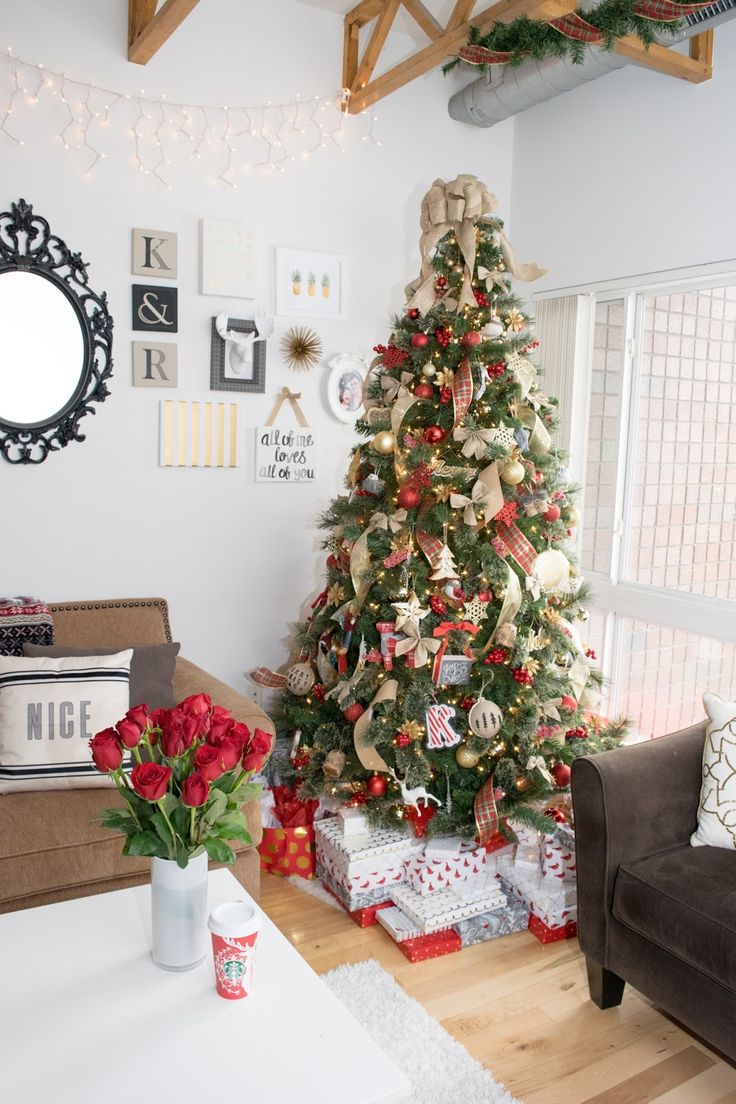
x=155 y=309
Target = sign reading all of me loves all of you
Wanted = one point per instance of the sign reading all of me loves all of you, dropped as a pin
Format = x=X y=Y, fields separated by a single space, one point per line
x=285 y=455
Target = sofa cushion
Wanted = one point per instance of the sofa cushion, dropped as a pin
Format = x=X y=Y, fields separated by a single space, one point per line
x=48 y=842
x=685 y=901
x=49 y=710
x=151 y=669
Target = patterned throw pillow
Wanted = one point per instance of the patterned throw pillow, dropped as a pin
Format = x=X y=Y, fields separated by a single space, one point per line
x=717 y=809
x=24 y=621
x=49 y=710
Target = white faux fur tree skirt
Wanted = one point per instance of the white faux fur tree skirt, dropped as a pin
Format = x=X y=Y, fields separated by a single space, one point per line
x=439 y=1068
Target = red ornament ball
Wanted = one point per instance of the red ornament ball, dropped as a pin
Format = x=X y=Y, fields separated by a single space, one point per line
x=412 y=313
x=467 y=703
x=555 y=814
x=437 y=605
x=561 y=774
x=352 y=712
x=402 y=740
x=471 y=338
x=359 y=798
x=433 y=435
x=424 y=391
x=376 y=785
x=408 y=498
x=441 y=281
x=419 y=340
x=567 y=701
x=552 y=513
x=485 y=595
x=445 y=394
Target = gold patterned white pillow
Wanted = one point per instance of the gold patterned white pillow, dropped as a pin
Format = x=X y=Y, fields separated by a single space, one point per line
x=717 y=808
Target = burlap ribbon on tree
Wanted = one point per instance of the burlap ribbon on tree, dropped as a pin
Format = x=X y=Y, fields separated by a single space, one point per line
x=475 y=441
x=360 y=557
x=367 y=754
x=458 y=205
x=485 y=500
x=414 y=642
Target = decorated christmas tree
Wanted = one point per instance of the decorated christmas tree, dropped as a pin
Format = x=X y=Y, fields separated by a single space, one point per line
x=442 y=676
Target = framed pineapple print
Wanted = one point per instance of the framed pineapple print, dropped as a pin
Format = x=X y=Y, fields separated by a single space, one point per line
x=310 y=284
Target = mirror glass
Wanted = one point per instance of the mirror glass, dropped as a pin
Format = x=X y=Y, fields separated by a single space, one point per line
x=41 y=348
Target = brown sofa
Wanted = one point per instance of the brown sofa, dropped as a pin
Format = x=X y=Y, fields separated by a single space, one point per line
x=49 y=848
x=652 y=910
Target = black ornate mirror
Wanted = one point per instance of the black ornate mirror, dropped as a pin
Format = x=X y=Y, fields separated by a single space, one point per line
x=55 y=339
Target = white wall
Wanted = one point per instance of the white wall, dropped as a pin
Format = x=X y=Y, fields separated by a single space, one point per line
x=235 y=559
x=631 y=174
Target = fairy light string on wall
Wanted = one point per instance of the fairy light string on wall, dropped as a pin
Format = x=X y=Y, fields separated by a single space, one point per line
x=230 y=139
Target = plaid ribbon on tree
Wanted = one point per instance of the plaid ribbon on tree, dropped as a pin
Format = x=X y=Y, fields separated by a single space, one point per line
x=664 y=11
x=523 y=552
x=462 y=390
x=574 y=26
x=430 y=546
x=264 y=676
x=486 y=816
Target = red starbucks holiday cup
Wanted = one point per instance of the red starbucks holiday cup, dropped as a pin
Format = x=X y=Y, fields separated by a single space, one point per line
x=234 y=927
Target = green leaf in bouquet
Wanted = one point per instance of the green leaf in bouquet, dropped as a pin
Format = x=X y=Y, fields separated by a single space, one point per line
x=218 y=850
x=170 y=803
x=234 y=819
x=182 y=856
x=180 y=819
x=118 y=821
x=247 y=791
x=146 y=843
x=162 y=829
x=233 y=832
x=216 y=806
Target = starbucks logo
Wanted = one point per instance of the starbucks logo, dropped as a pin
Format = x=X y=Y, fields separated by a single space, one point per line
x=233 y=969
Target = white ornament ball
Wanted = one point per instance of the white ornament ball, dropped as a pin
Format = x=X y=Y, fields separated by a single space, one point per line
x=551 y=569
x=572 y=517
x=300 y=679
x=590 y=698
x=485 y=719
x=492 y=328
x=429 y=370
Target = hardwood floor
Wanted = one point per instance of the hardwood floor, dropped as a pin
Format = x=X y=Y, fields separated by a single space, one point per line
x=522 y=1009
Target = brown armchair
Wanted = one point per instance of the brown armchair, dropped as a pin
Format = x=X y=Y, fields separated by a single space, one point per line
x=652 y=910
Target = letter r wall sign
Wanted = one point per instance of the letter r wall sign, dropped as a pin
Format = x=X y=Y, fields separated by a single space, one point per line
x=155 y=254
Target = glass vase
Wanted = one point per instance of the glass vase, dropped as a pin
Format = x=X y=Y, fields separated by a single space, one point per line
x=179 y=912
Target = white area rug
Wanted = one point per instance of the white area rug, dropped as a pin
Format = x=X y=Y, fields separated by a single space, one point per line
x=314 y=888
x=439 y=1068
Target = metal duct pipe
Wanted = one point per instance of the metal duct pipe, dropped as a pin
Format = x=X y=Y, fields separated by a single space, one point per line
x=492 y=98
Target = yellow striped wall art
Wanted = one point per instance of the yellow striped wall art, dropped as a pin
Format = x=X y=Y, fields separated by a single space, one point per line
x=198 y=434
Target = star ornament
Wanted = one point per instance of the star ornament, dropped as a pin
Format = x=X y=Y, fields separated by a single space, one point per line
x=476 y=610
x=409 y=612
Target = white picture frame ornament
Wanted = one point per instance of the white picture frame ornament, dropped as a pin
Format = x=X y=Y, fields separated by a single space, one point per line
x=344 y=386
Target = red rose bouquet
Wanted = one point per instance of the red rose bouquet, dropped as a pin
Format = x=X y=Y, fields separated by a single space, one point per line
x=193 y=766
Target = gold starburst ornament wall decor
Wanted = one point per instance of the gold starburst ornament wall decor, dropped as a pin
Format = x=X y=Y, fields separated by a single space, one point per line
x=301 y=348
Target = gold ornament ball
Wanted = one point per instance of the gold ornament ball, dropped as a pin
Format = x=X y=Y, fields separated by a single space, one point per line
x=429 y=370
x=465 y=757
x=512 y=472
x=384 y=442
x=521 y=783
x=572 y=517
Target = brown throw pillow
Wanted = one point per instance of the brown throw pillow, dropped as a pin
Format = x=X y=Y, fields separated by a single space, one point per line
x=151 y=671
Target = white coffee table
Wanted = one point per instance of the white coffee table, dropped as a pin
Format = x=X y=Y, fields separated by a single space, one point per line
x=88 y=1019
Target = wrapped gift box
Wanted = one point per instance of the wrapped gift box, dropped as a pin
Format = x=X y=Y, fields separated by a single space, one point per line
x=288 y=851
x=558 y=858
x=398 y=925
x=489 y=925
x=442 y=909
x=430 y=872
x=361 y=899
x=546 y=934
x=431 y=946
x=551 y=901
x=363 y=865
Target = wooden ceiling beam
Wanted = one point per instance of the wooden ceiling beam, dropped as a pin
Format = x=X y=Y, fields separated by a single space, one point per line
x=701 y=49
x=364 y=12
x=148 y=29
x=421 y=15
x=448 y=44
x=384 y=23
x=665 y=60
x=460 y=13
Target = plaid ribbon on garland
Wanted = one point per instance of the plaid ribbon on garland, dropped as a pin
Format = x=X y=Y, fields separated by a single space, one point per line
x=574 y=26
x=486 y=816
x=462 y=390
x=480 y=55
x=264 y=676
x=520 y=548
x=664 y=11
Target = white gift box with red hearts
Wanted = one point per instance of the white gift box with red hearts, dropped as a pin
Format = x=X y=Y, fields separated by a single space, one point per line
x=435 y=911
x=427 y=873
x=553 y=901
x=367 y=863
